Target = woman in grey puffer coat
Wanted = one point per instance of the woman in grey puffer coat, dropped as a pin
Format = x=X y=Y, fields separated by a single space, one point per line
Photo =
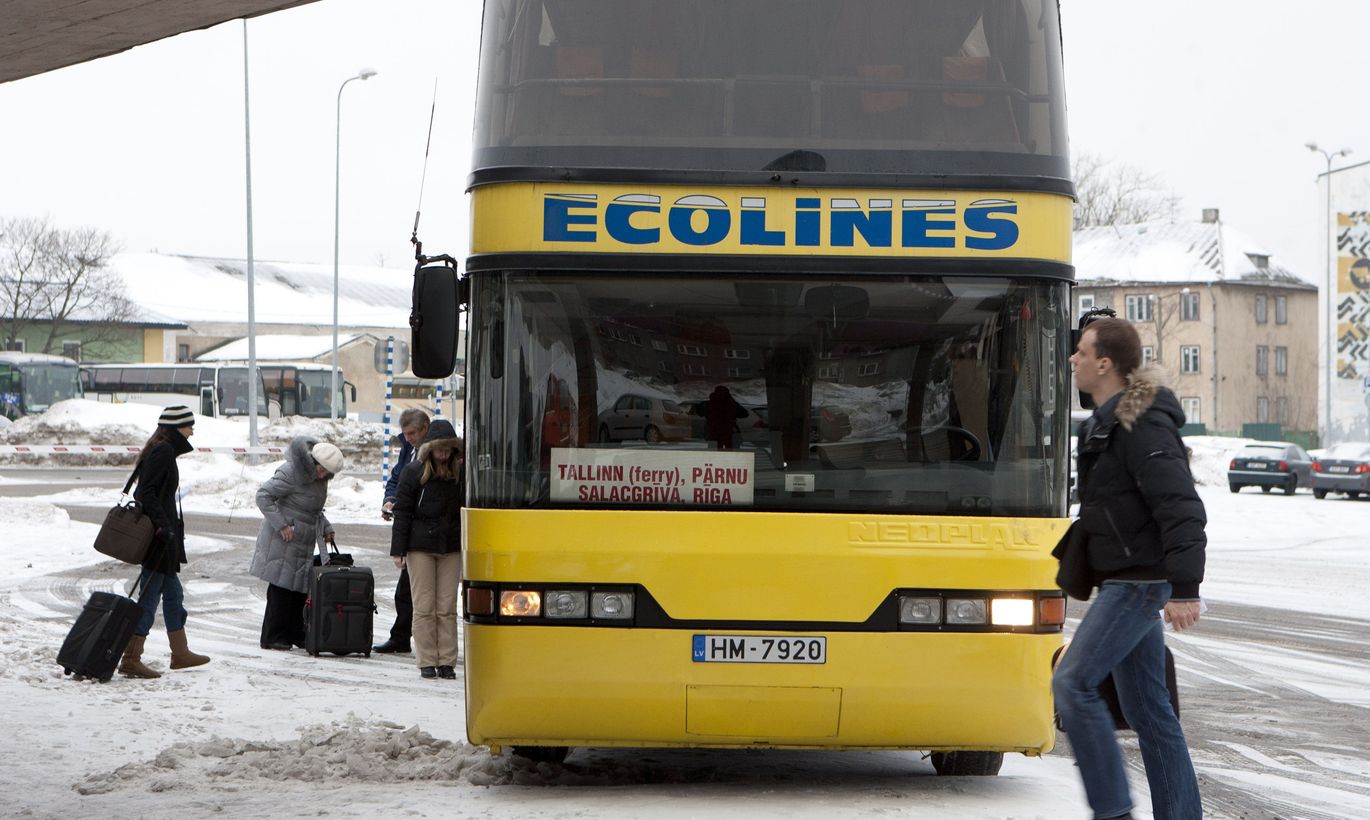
x=292 y=503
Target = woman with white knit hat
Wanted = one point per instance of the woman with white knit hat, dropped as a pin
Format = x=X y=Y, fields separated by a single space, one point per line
x=292 y=503
x=158 y=481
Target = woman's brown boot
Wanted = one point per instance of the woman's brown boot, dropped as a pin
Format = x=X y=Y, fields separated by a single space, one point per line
x=132 y=663
x=181 y=656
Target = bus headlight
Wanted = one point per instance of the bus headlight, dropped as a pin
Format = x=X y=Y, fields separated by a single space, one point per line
x=520 y=603
x=617 y=605
x=965 y=611
x=1011 y=611
x=567 y=603
x=920 y=610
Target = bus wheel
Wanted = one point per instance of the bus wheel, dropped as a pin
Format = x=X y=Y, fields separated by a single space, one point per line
x=967 y=764
x=543 y=754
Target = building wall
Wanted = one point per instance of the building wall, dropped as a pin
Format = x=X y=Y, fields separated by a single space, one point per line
x=1226 y=335
x=112 y=345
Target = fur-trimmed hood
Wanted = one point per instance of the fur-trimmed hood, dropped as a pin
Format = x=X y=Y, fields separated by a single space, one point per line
x=1146 y=389
x=441 y=435
x=298 y=454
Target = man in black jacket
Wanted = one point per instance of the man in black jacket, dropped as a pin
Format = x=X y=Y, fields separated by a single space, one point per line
x=413 y=427
x=1145 y=527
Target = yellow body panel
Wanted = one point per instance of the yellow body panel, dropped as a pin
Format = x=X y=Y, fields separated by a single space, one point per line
x=538 y=217
x=553 y=685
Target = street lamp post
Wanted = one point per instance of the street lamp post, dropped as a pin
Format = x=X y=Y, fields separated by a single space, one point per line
x=364 y=74
x=1329 y=300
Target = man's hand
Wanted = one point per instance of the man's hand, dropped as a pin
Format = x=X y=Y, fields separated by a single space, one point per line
x=387 y=510
x=399 y=561
x=1182 y=614
x=328 y=539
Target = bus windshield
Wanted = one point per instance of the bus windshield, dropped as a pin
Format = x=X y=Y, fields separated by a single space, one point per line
x=47 y=384
x=847 y=86
x=882 y=393
x=314 y=390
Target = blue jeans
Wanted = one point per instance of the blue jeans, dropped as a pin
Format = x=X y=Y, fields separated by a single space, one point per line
x=159 y=586
x=1122 y=633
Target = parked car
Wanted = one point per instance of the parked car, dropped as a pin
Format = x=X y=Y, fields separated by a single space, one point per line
x=650 y=418
x=1344 y=468
x=1268 y=465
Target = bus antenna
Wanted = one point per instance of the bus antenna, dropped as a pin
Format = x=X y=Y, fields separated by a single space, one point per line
x=423 y=178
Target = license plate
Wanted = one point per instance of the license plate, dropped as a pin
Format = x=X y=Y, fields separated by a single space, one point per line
x=1339 y=468
x=759 y=649
x=1255 y=465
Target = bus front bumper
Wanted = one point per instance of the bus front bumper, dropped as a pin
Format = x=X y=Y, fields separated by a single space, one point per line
x=640 y=687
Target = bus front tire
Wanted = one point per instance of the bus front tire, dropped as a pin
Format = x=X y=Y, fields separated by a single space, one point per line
x=543 y=754
x=967 y=764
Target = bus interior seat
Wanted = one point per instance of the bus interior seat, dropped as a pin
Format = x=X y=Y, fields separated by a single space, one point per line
x=674 y=108
x=981 y=116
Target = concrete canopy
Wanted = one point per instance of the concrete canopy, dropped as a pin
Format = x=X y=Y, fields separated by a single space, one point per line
x=42 y=35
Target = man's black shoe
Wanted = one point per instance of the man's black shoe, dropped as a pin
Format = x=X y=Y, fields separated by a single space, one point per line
x=447 y=672
x=391 y=646
x=429 y=671
x=279 y=646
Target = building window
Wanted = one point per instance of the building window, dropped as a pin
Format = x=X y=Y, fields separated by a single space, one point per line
x=183 y=352
x=691 y=350
x=72 y=350
x=1281 y=361
x=657 y=344
x=828 y=371
x=1189 y=307
x=871 y=369
x=1190 y=406
x=634 y=339
x=1189 y=359
x=1282 y=410
x=1148 y=354
x=1139 y=308
x=663 y=366
x=1262 y=410
x=1260 y=309
x=1262 y=360
x=694 y=369
x=736 y=353
x=1281 y=310
x=740 y=372
x=1086 y=303
x=20 y=345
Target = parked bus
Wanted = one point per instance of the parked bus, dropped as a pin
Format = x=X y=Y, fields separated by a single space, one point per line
x=33 y=382
x=215 y=390
x=858 y=207
x=302 y=388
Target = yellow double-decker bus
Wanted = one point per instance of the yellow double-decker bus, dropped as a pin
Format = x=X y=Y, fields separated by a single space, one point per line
x=767 y=387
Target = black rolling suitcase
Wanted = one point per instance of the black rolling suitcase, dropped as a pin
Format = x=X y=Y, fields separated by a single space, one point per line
x=340 y=608
x=99 y=637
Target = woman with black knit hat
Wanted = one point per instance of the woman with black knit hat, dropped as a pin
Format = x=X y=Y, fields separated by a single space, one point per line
x=158 y=481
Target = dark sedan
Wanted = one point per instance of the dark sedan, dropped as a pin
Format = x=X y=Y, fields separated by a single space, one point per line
x=1344 y=468
x=1270 y=465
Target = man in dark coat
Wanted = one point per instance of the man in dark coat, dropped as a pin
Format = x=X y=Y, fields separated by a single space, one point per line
x=413 y=427
x=1144 y=523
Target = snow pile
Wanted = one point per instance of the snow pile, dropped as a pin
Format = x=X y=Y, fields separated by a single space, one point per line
x=350 y=751
x=1209 y=456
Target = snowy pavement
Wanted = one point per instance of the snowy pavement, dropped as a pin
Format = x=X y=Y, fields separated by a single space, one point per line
x=1273 y=681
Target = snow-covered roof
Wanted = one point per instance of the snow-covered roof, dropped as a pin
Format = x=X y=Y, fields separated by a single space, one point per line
x=279 y=348
x=204 y=289
x=1174 y=251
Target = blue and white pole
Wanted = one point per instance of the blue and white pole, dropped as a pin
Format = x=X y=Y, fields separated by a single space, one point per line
x=389 y=389
x=437 y=411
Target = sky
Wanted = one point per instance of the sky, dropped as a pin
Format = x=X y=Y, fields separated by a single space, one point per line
x=1217 y=99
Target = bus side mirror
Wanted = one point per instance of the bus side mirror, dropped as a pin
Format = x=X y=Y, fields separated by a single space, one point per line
x=433 y=321
x=352 y=391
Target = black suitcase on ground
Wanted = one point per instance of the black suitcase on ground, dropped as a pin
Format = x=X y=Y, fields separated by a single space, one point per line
x=97 y=641
x=339 y=610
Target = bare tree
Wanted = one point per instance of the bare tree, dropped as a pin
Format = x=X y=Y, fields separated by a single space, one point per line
x=58 y=278
x=1109 y=193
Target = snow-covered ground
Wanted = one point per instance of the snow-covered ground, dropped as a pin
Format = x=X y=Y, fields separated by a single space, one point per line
x=259 y=733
